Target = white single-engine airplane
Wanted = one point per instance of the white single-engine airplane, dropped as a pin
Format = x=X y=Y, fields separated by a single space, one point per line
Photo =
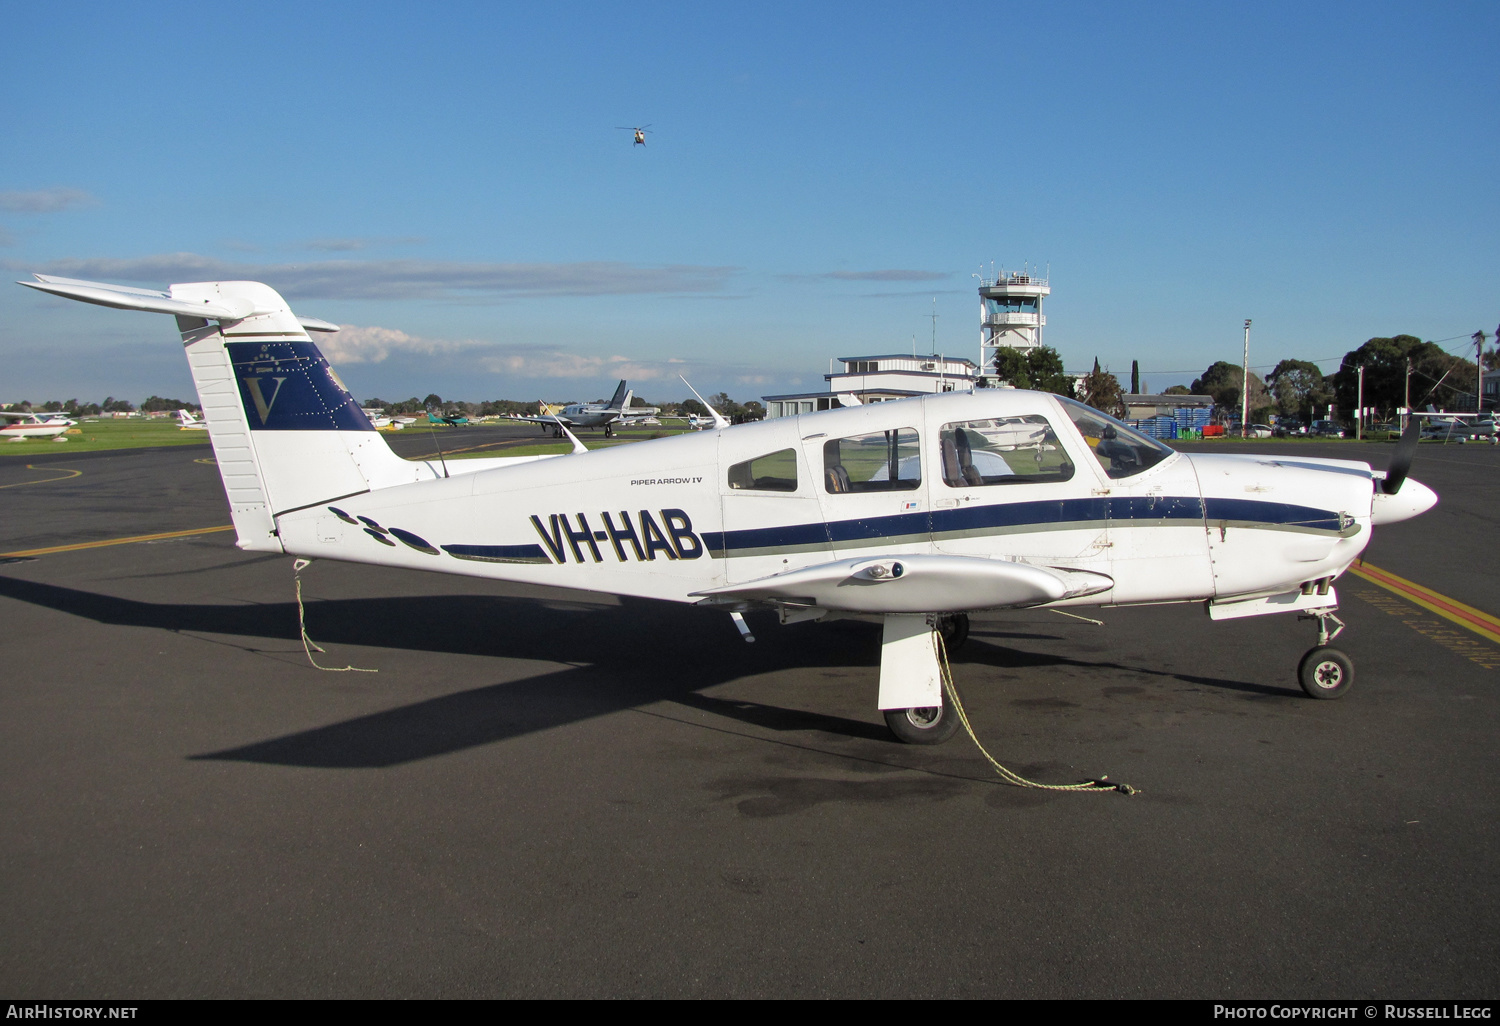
x=25 y=424
x=584 y=415
x=916 y=512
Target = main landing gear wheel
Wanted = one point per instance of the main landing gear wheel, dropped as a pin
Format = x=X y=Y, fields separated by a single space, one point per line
x=930 y=726
x=1325 y=672
x=955 y=630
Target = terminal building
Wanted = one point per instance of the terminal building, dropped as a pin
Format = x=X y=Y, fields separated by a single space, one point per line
x=877 y=379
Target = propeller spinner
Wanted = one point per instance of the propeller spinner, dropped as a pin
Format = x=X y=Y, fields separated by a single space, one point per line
x=1390 y=507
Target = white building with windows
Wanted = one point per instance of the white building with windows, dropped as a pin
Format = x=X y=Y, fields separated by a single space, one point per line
x=875 y=379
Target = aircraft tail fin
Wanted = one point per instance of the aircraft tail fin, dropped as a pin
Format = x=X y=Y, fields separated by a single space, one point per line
x=618 y=402
x=286 y=432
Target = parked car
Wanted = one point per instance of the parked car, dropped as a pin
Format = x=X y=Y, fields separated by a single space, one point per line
x=1260 y=431
x=1326 y=429
x=1290 y=427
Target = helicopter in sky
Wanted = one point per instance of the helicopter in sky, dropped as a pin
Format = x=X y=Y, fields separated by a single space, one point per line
x=639 y=130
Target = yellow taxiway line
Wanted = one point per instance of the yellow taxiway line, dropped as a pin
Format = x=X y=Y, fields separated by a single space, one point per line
x=1478 y=621
x=116 y=541
x=67 y=475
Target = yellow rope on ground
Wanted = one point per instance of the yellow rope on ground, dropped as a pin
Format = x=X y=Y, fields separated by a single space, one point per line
x=1101 y=785
x=308 y=644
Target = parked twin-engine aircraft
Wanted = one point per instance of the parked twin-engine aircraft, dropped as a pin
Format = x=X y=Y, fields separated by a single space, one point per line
x=585 y=415
x=916 y=512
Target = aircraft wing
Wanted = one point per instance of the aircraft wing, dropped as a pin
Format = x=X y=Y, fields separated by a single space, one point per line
x=550 y=419
x=916 y=584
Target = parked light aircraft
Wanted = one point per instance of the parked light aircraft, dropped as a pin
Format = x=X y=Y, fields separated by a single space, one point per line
x=447 y=419
x=25 y=424
x=187 y=422
x=1458 y=427
x=914 y=512
x=585 y=415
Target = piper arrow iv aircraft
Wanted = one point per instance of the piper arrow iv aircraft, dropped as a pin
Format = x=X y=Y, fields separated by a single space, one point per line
x=915 y=512
x=584 y=415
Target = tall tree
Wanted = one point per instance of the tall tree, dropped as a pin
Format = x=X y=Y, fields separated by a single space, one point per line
x=1298 y=388
x=1437 y=377
x=1045 y=365
x=1135 y=377
x=1041 y=369
x=1101 y=390
x=1223 y=381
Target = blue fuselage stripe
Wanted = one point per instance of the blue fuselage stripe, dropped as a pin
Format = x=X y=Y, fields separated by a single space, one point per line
x=1055 y=514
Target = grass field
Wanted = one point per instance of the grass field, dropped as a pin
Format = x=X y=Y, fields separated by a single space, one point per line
x=108 y=434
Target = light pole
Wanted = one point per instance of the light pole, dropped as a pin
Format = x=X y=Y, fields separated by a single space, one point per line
x=1359 y=418
x=1245 y=387
x=1478 y=338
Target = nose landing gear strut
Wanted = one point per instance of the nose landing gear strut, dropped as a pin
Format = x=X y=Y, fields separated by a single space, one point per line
x=1325 y=672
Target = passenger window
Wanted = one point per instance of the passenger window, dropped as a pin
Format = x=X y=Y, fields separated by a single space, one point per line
x=773 y=472
x=1120 y=449
x=1003 y=451
x=884 y=461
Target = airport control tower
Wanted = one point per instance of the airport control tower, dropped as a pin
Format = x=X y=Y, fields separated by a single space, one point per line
x=1010 y=314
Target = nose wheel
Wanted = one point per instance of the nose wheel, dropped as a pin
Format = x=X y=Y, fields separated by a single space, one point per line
x=1326 y=672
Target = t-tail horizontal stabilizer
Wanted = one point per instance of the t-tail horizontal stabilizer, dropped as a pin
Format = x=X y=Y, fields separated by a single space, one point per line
x=122 y=297
x=286 y=432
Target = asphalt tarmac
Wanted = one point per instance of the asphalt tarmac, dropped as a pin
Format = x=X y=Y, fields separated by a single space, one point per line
x=545 y=793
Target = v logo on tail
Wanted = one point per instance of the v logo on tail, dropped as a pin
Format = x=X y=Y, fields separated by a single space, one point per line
x=262 y=405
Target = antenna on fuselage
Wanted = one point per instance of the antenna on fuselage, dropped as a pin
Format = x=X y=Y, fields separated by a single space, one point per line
x=578 y=446
x=719 y=421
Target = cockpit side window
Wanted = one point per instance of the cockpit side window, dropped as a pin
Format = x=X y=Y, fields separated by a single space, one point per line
x=1003 y=451
x=883 y=461
x=773 y=472
x=1120 y=449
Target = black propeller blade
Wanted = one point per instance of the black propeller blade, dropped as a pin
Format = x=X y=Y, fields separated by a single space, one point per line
x=1395 y=474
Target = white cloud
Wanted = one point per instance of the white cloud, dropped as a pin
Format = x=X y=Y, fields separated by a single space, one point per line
x=895 y=274
x=351 y=245
x=555 y=363
x=404 y=279
x=373 y=344
x=46 y=201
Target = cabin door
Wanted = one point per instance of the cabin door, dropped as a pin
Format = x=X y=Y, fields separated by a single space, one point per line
x=772 y=522
x=1009 y=488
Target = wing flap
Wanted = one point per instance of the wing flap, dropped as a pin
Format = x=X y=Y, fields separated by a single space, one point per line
x=917 y=584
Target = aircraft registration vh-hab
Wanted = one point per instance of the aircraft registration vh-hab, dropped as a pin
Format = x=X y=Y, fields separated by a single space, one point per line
x=916 y=512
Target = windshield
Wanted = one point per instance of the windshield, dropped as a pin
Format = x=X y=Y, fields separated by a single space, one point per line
x=1120 y=449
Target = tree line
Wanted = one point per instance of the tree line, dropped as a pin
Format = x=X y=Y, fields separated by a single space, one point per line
x=1399 y=371
x=1395 y=369
x=74 y=408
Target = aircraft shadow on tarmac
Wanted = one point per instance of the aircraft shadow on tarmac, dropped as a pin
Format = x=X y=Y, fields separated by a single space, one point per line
x=633 y=654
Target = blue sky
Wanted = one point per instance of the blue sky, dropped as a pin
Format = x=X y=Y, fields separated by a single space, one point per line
x=447 y=181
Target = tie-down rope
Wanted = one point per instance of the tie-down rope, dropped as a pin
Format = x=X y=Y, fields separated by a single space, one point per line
x=1103 y=784
x=308 y=644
